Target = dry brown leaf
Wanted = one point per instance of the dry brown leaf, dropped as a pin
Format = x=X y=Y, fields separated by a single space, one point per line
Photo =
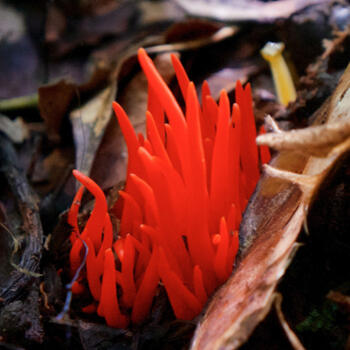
x=54 y=100
x=316 y=141
x=272 y=222
x=15 y=129
x=244 y=11
x=191 y=29
x=319 y=140
x=89 y=29
x=89 y=123
x=221 y=34
x=325 y=143
x=159 y=11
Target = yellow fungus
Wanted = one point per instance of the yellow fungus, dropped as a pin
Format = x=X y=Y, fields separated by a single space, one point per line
x=272 y=53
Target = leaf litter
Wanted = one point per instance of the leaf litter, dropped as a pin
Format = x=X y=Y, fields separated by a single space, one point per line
x=264 y=225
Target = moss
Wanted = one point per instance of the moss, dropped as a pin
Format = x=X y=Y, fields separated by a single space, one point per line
x=324 y=323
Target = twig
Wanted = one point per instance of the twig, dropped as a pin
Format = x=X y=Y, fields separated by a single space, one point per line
x=22 y=102
x=27 y=205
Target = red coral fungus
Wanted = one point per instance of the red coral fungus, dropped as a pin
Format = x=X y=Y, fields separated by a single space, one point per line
x=187 y=185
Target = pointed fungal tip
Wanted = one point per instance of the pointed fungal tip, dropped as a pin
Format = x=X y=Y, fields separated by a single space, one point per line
x=141 y=51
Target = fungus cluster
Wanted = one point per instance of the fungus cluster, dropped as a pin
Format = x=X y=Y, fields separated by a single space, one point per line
x=188 y=182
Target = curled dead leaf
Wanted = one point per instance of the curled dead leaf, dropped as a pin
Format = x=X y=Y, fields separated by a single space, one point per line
x=16 y=129
x=221 y=34
x=316 y=141
x=89 y=123
x=324 y=144
x=54 y=100
x=249 y=10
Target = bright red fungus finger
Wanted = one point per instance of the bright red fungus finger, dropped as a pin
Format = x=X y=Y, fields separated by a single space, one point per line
x=72 y=218
x=187 y=184
x=109 y=306
x=94 y=225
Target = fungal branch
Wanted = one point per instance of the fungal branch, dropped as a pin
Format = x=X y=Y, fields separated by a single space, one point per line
x=188 y=182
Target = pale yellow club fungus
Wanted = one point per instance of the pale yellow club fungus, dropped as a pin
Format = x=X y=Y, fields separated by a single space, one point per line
x=272 y=53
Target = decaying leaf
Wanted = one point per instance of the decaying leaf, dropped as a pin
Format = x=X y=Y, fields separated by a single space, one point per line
x=244 y=11
x=90 y=29
x=219 y=35
x=318 y=141
x=54 y=100
x=89 y=123
x=271 y=225
x=159 y=11
x=16 y=129
x=325 y=143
